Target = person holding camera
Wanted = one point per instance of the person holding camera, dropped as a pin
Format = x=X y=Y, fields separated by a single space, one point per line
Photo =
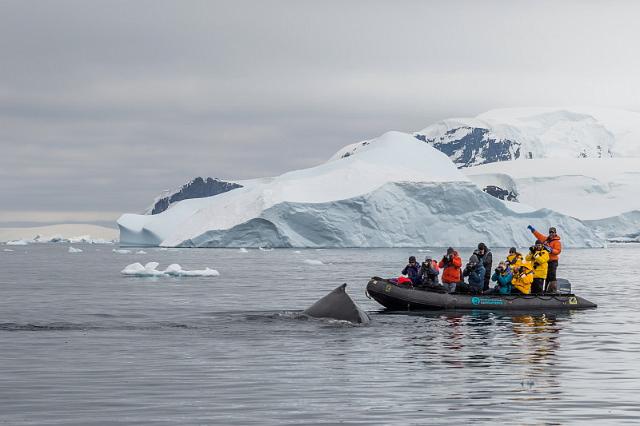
x=522 y=279
x=502 y=276
x=538 y=256
x=429 y=273
x=475 y=271
x=486 y=258
x=451 y=274
x=412 y=270
x=554 y=247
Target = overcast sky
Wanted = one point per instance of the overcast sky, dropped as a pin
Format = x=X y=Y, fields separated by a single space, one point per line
x=104 y=104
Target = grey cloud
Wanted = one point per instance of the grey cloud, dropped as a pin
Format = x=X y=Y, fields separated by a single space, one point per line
x=103 y=104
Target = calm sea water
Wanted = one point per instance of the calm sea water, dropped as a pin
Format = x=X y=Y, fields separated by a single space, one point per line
x=81 y=344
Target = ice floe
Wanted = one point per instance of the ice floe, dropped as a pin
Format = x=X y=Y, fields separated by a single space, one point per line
x=121 y=251
x=313 y=262
x=74 y=250
x=17 y=243
x=173 y=270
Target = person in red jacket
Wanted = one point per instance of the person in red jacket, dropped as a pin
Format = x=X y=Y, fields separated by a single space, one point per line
x=452 y=275
x=553 y=245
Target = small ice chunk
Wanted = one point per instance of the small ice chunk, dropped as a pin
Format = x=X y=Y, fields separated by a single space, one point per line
x=121 y=251
x=424 y=251
x=7 y=250
x=313 y=262
x=141 y=252
x=17 y=243
x=265 y=248
x=243 y=250
x=74 y=250
x=297 y=252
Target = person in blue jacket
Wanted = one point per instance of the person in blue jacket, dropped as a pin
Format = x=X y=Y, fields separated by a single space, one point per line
x=412 y=270
x=475 y=271
x=502 y=276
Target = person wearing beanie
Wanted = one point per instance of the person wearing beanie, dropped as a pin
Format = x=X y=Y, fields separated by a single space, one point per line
x=514 y=258
x=412 y=270
x=554 y=247
x=486 y=258
x=451 y=274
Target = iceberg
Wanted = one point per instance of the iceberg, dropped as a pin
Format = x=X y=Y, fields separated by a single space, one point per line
x=314 y=262
x=395 y=191
x=74 y=250
x=173 y=270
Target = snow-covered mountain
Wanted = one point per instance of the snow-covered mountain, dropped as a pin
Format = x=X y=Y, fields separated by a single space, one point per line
x=533 y=133
x=391 y=191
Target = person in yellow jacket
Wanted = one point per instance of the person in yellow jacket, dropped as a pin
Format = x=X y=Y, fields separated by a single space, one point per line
x=522 y=278
x=514 y=258
x=538 y=256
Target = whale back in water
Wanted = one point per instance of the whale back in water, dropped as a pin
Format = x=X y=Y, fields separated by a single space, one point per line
x=337 y=305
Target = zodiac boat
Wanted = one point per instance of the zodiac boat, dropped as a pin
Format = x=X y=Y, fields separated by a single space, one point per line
x=407 y=298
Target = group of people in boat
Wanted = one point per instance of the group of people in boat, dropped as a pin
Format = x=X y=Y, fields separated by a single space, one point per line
x=530 y=273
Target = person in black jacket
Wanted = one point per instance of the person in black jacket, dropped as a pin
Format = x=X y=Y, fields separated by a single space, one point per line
x=486 y=258
x=412 y=270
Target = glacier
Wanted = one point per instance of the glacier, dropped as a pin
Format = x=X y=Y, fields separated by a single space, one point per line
x=393 y=191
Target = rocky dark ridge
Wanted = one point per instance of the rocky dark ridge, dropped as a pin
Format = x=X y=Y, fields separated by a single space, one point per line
x=197 y=188
x=477 y=146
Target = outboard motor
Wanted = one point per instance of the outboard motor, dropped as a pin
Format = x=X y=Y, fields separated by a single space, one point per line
x=564 y=286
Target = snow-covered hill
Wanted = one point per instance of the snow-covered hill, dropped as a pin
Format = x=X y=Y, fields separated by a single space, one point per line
x=533 y=133
x=392 y=191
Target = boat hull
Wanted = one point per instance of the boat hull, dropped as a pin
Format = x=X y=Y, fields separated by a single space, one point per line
x=400 y=298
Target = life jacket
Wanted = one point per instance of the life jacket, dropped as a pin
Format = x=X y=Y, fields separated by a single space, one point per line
x=452 y=272
x=552 y=242
x=539 y=261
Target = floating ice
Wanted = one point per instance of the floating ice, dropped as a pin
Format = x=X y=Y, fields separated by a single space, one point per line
x=297 y=252
x=173 y=270
x=313 y=262
x=17 y=243
x=7 y=250
x=121 y=251
x=265 y=248
x=74 y=250
x=243 y=250
x=141 y=252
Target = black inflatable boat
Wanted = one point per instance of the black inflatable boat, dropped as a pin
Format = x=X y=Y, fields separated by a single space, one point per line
x=402 y=298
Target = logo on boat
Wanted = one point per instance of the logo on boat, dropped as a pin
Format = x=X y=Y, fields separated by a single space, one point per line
x=573 y=300
x=479 y=301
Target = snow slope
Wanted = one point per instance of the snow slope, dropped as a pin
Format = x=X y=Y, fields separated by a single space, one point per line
x=524 y=133
x=393 y=191
x=581 y=187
